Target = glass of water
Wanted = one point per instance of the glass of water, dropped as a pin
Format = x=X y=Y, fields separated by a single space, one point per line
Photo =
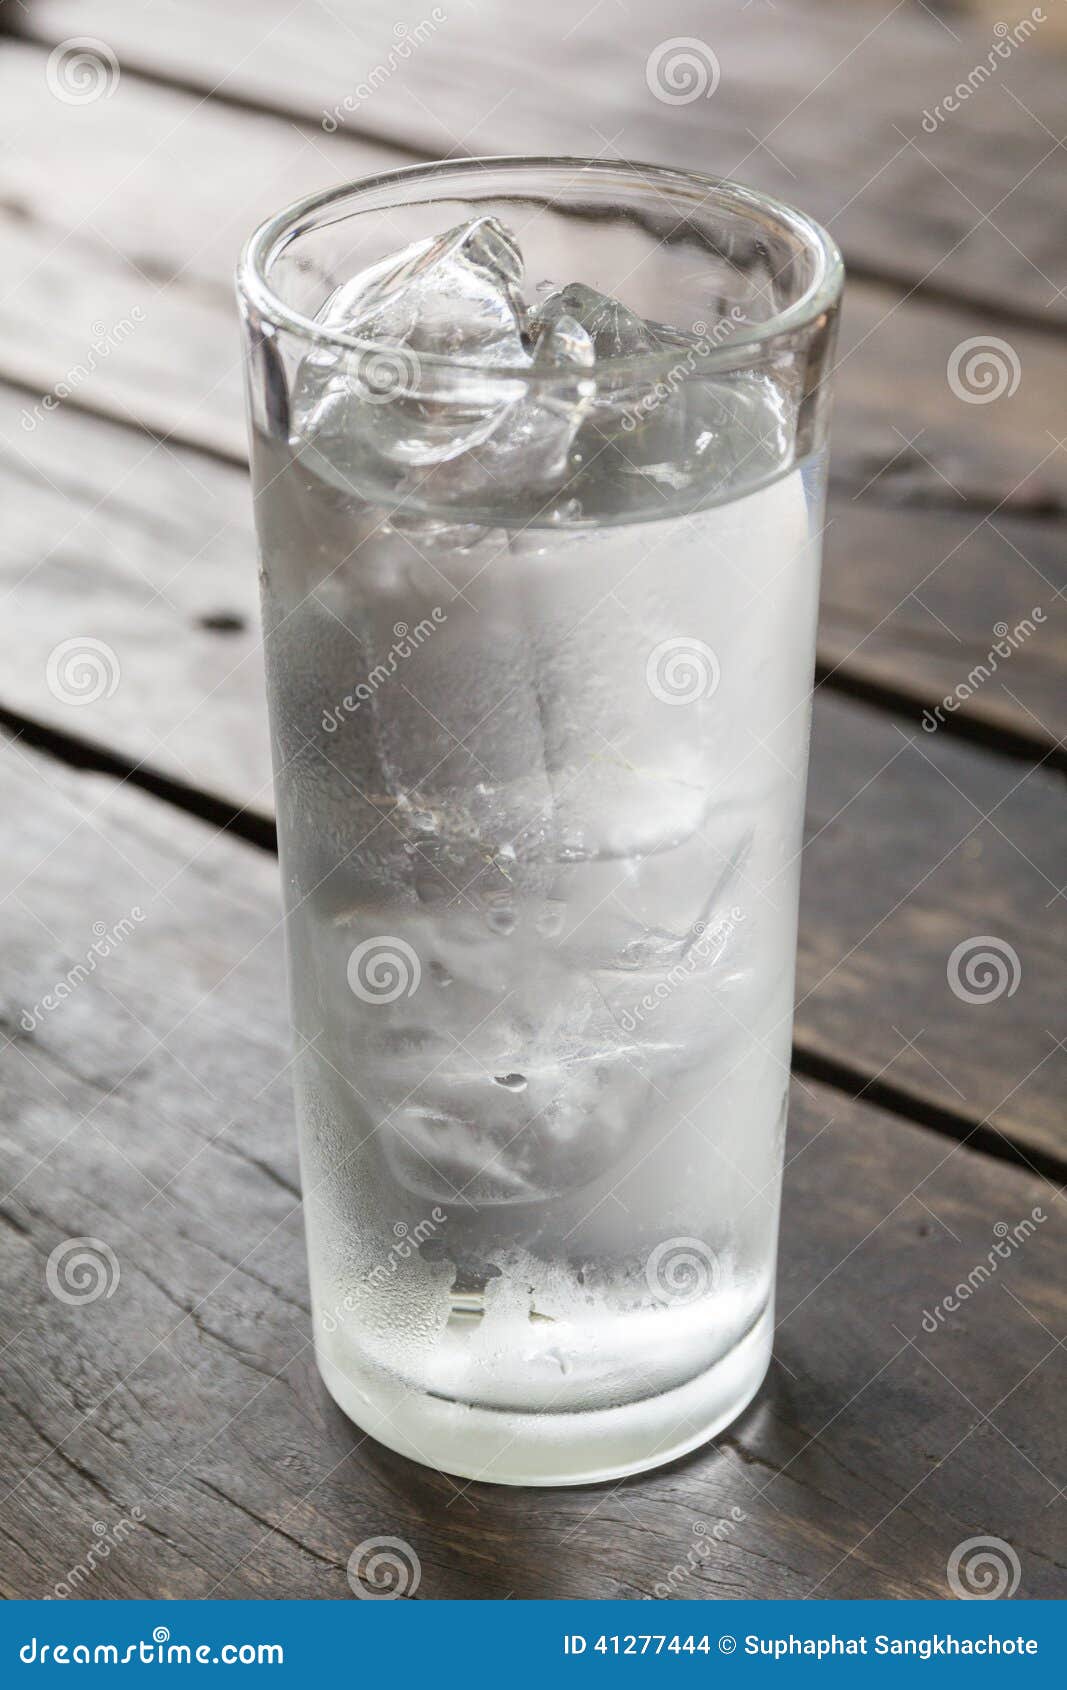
x=538 y=451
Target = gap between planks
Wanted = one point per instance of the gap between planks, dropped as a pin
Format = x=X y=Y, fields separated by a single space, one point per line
x=908 y=703
x=1000 y=311
x=807 y=1063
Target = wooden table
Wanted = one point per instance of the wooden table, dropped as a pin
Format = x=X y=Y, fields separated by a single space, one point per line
x=149 y=1107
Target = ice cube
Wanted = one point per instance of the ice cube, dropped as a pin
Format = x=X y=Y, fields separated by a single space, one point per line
x=613 y=330
x=680 y=430
x=562 y=342
x=533 y=718
x=361 y=413
x=646 y=639
x=456 y=294
x=374 y=422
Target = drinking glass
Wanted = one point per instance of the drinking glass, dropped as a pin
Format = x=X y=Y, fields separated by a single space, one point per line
x=539 y=508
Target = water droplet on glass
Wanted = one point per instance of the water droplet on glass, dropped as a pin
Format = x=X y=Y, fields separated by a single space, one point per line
x=502 y=918
x=550 y=920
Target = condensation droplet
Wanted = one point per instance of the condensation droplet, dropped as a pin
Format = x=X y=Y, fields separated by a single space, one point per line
x=550 y=921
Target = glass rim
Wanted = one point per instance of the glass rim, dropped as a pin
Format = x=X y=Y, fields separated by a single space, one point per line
x=822 y=293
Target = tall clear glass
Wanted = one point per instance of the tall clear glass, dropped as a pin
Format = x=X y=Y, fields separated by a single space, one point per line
x=540 y=529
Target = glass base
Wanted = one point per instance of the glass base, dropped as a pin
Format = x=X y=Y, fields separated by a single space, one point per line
x=504 y=1448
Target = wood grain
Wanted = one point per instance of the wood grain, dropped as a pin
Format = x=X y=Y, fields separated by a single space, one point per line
x=150 y=1110
x=835 y=121
x=125 y=251
x=123 y=220
x=901 y=868
x=150 y=548
x=916 y=845
x=914 y=601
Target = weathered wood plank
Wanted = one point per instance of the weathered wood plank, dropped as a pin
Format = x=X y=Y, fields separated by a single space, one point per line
x=938 y=604
x=918 y=844
x=150 y=549
x=122 y=221
x=106 y=293
x=150 y=1110
x=841 y=107
x=901 y=869
x=122 y=249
